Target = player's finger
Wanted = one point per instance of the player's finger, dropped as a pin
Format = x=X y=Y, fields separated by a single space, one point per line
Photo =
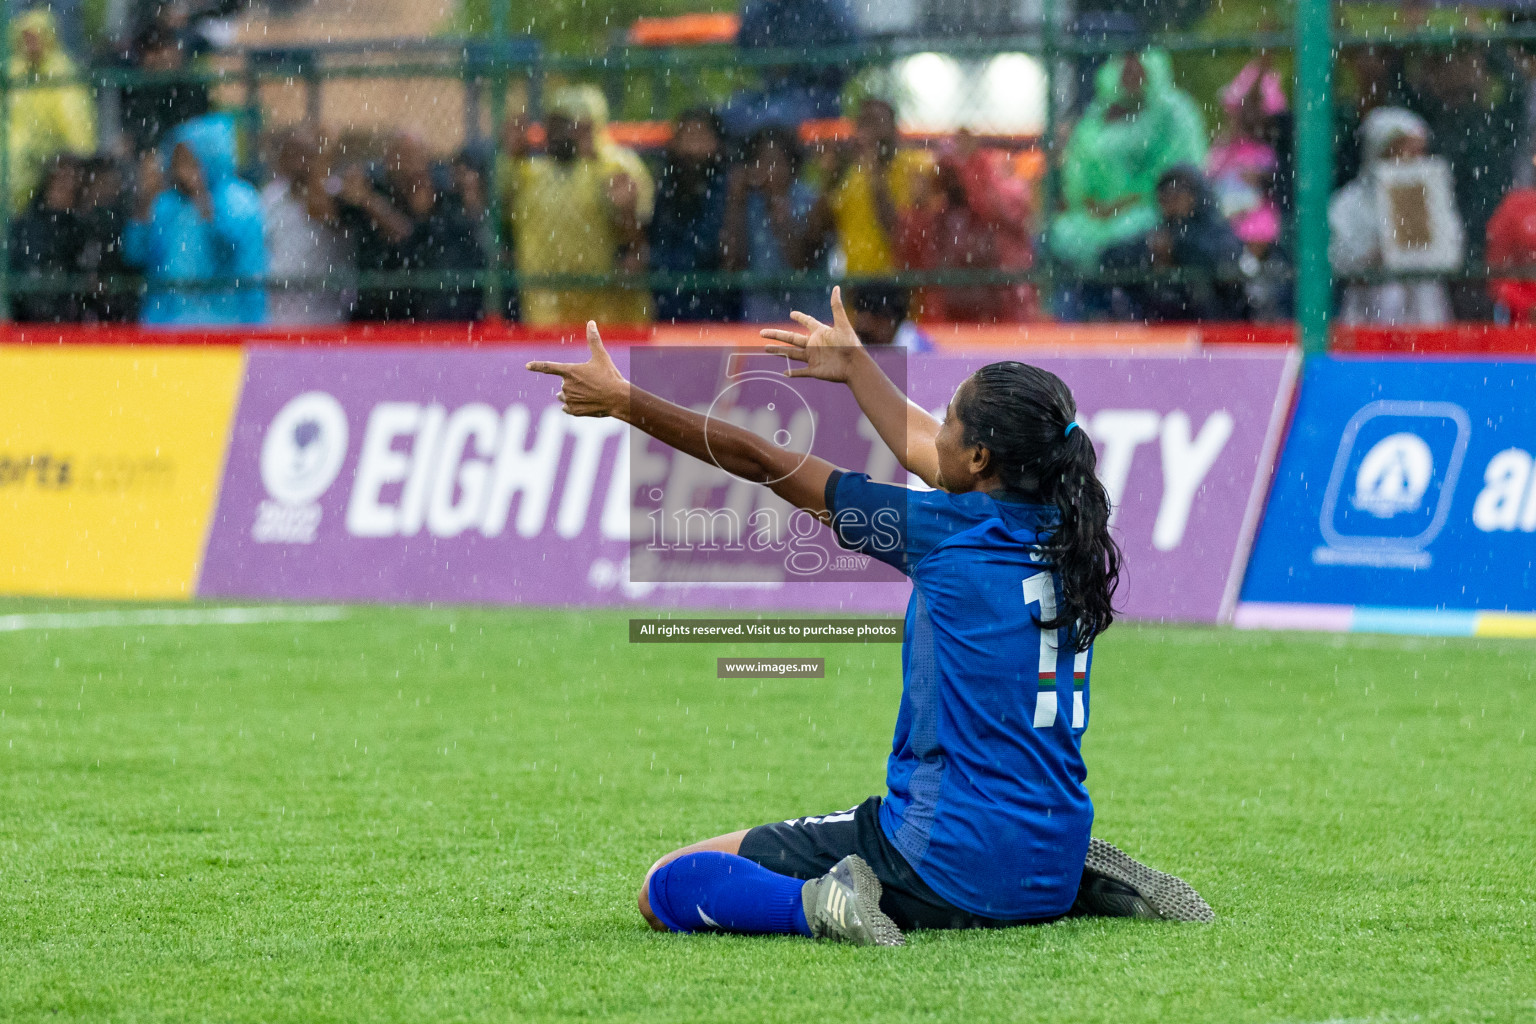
x=595 y=340
x=787 y=337
x=788 y=352
x=563 y=369
x=807 y=321
x=839 y=314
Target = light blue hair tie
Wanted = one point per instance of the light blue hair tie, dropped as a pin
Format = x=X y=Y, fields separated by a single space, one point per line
x=1070 y=427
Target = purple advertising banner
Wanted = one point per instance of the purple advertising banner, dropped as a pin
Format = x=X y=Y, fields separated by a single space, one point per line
x=425 y=474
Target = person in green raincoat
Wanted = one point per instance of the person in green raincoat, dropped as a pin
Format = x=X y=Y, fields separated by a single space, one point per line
x=1138 y=127
x=49 y=114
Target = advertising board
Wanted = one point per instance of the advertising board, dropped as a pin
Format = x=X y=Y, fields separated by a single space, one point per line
x=410 y=474
x=1405 y=484
x=109 y=466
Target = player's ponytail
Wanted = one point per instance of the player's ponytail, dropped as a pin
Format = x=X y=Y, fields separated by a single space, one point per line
x=1026 y=418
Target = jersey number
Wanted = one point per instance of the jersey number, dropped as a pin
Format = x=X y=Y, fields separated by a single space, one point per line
x=1040 y=589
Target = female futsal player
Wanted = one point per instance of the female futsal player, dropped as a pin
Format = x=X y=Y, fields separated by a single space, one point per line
x=986 y=822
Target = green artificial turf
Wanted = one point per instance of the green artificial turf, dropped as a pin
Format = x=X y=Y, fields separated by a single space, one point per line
x=443 y=815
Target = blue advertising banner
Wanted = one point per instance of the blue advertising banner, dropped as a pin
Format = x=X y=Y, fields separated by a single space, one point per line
x=1404 y=484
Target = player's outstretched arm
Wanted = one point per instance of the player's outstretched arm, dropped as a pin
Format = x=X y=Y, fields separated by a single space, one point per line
x=597 y=388
x=834 y=352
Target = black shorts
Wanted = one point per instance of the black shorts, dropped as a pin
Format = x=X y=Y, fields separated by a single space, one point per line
x=809 y=847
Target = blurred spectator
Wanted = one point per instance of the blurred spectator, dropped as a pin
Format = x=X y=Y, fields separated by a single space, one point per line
x=872 y=183
x=1372 y=76
x=690 y=217
x=151 y=109
x=1522 y=62
x=1512 y=246
x=975 y=216
x=1356 y=220
x=1102 y=32
x=468 y=179
x=1243 y=163
x=880 y=317
x=1192 y=237
x=793 y=94
x=1138 y=127
x=198 y=235
x=579 y=208
x=766 y=208
x=110 y=295
x=49 y=114
x=69 y=17
x=44 y=241
x=1474 y=116
x=1251 y=171
x=302 y=219
x=408 y=221
x=204 y=24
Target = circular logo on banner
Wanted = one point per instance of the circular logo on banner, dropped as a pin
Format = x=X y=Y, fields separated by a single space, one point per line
x=305 y=446
x=1394 y=475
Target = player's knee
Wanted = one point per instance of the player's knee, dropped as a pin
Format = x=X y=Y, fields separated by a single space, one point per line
x=643 y=898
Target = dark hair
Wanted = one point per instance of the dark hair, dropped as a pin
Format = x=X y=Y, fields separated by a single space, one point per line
x=1183 y=177
x=786 y=140
x=704 y=116
x=873 y=103
x=882 y=300
x=155 y=36
x=1020 y=413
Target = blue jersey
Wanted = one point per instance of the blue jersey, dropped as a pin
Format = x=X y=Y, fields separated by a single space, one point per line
x=986 y=801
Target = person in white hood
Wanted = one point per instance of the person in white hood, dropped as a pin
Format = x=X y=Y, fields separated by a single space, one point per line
x=1356 y=223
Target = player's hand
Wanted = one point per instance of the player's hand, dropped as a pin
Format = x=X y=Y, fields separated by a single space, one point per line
x=828 y=352
x=593 y=388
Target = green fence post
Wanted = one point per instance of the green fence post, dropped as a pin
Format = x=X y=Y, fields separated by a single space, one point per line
x=1314 y=170
x=5 y=161
x=495 y=304
x=1050 y=188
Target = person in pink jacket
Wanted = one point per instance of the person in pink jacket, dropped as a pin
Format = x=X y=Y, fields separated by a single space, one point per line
x=1242 y=164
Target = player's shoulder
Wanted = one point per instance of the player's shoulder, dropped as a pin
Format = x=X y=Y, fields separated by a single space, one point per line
x=845 y=488
x=997 y=522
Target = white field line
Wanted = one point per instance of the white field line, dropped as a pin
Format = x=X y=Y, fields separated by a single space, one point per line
x=172 y=617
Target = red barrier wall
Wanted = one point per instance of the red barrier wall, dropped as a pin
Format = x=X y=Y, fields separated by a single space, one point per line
x=1457 y=339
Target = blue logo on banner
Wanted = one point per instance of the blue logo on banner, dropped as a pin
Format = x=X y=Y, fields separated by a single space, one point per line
x=1405 y=483
x=1392 y=483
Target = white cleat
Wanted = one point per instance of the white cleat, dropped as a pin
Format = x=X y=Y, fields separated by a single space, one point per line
x=844 y=905
x=1117 y=885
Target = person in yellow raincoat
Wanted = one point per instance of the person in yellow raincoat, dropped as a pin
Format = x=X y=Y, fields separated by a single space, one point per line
x=581 y=207
x=50 y=114
x=872 y=184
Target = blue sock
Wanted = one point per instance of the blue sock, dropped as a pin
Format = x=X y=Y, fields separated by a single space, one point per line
x=710 y=889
